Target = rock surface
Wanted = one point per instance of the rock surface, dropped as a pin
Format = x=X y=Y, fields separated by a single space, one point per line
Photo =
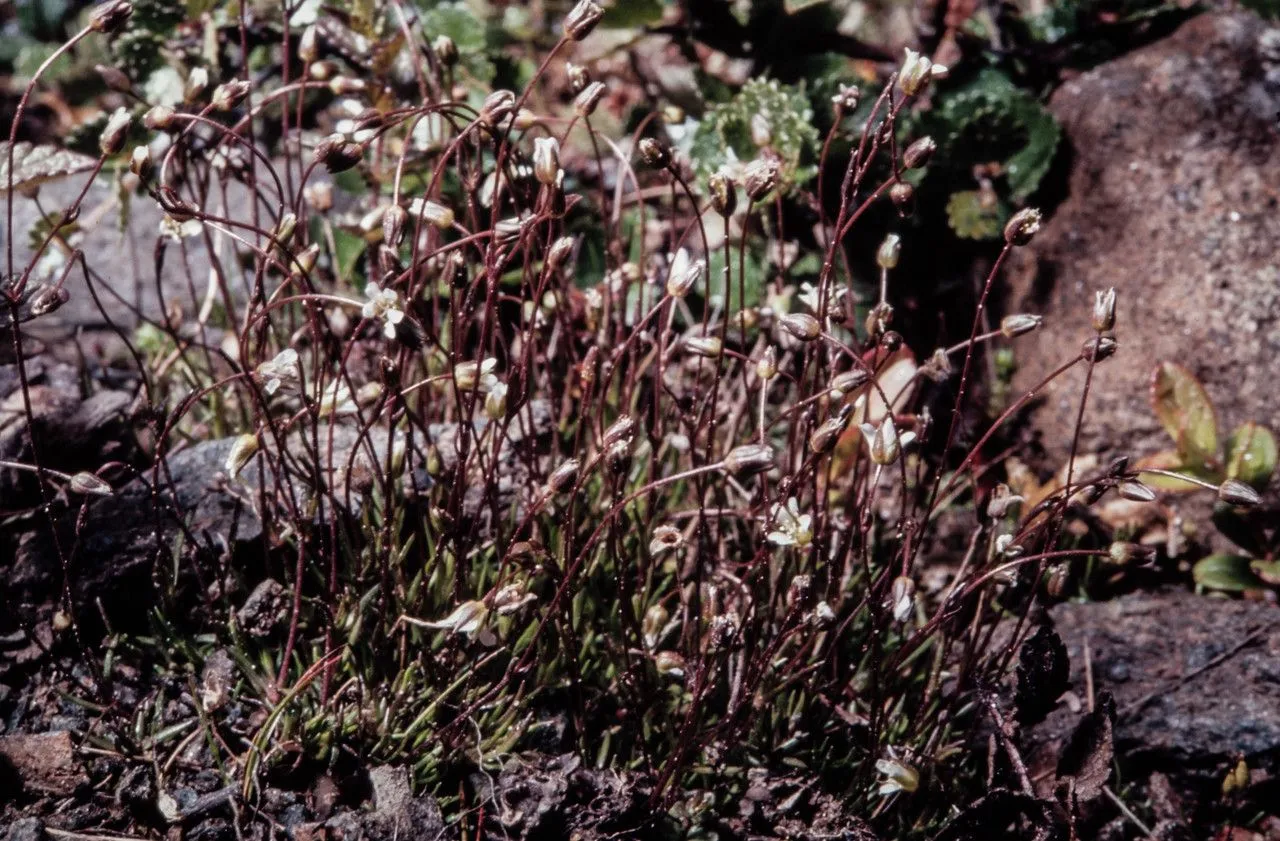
x=1173 y=200
x=1196 y=680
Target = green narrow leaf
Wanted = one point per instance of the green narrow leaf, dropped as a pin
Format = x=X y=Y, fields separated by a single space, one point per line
x=1226 y=572
x=628 y=14
x=1185 y=411
x=1251 y=455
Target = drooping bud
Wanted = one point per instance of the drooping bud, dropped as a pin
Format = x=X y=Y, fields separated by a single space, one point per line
x=197 y=82
x=559 y=253
x=767 y=364
x=749 y=459
x=760 y=177
x=824 y=438
x=229 y=94
x=242 y=450
x=305 y=261
x=708 y=347
x=497 y=106
x=495 y=402
x=903 y=196
x=582 y=19
x=681 y=280
x=620 y=430
x=654 y=153
x=309 y=44
x=1136 y=491
x=846 y=381
x=585 y=104
x=113 y=136
x=159 y=118
x=114 y=78
x=1235 y=492
x=902 y=596
x=433 y=213
x=919 y=153
x=140 y=162
x=111 y=16
x=889 y=251
x=546 y=160
x=724 y=196
x=1104 y=310
x=87 y=484
x=801 y=325
x=578 y=77
x=446 y=50
x=285 y=228
x=563 y=476
x=339 y=154
x=393 y=222
x=1098 y=349
x=1019 y=324
x=1023 y=227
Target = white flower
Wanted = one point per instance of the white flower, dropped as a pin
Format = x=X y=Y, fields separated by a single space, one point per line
x=473 y=375
x=665 y=538
x=884 y=442
x=336 y=401
x=903 y=596
x=899 y=776
x=383 y=304
x=791 y=528
x=465 y=619
x=282 y=370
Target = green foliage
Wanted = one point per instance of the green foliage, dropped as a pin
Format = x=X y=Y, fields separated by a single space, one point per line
x=764 y=114
x=633 y=13
x=989 y=120
x=1226 y=572
x=1186 y=413
x=467 y=31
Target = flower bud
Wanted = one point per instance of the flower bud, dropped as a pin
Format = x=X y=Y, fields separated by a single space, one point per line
x=338 y=154
x=620 y=430
x=1023 y=227
x=446 y=50
x=801 y=325
x=578 y=77
x=113 y=136
x=393 y=222
x=709 y=347
x=242 y=450
x=845 y=382
x=767 y=364
x=159 y=118
x=140 y=162
x=582 y=19
x=285 y=228
x=559 y=252
x=1135 y=491
x=319 y=195
x=433 y=213
x=654 y=153
x=845 y=100
x=749 y=459
x=563 y=477
x=724 y=196
x=1019 y=324
x=305 y=261
x=497 y=106
x=760 y=178
x=546 y=160
x=889 y=251
x=1104 y=310
x=1235 y=492
x=585 y=104
x=669 y=664
x=1123 y=553
x=495 y=402
x=309 y=44
x=1098 y=349
x=903 y=196
x=919 y=152
x=197 y=82
x=902 y=596
x=681 y=280
x=114 y=78
x=824 y=438
x=229 y=94
x=87 y=484
x=110 y=17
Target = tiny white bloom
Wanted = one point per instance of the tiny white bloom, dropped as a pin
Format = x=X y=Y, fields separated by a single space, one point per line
x=791 y=528
x=899 y=776
x=383 y=304
x=473 y=375
x=282 y=370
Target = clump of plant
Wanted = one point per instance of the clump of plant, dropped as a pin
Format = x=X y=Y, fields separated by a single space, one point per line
x=514 y=494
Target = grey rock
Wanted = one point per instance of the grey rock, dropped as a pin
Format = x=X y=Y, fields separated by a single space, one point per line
x=1173 y=197
x=26 y=829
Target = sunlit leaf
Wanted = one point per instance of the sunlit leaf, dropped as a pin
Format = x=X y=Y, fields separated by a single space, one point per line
x=1226 y=572
x=1251 y=455
x=1184 y=410
x=36 y=165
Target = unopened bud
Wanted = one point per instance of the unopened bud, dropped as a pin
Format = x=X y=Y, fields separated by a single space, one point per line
x=889 y=251
x=1019 y=324
x=140 y=162
x=1135 y=491
x=87 y=484
x=305 y=261
x=1235 y=492
x=1098 y=349
x=919 y=153
x=669 y=664
x=654 y=153
x=620 y=430
x=433 y=213
x=446 y=50
x=559 y=253
x=546 y=160
x=113 y=136
x=749 y=459
x=339 y=154
x=1123 y=553
x=111 y=16
x=709 y=347
x=724 y=196
x=229 y=94
x=767 y=364
x=285 y=228
x=309 y=44
x=563 y=476
x=497 y=106
x=114 y=78
x=1104 y=310
x=242 y=450
x=159 y=118
x=846 y=381
x=902 y=597
x=582 y=19
x=903 y=196
x=585 y=104
x=393 y=222
x=495 y=402
x=760 y=178
x=680 y=282
x=824 y=438
x=801 y=325
x=1023 y=227
x=197 y=82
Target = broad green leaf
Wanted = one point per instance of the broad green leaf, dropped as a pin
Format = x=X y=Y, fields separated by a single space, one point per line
x=1229 y=573
x=1251 y=455
x=1239 y=527
x=1184 y=410
x=1268 y=571
x=349 y=247
x=629 y=14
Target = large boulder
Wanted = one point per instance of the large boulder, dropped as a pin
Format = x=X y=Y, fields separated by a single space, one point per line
x=1173 y=192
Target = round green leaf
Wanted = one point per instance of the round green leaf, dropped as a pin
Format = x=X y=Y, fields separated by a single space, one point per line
x=1230 y=573
x=1185 y=411
x=1251 y=455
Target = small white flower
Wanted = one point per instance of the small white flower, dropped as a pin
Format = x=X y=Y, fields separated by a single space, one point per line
x=903 y=596
x=475 y=375
x=884 y=442
x=791 y=528
x=899 y=776
x=336 y=400
x=465 y=619
x=383 y=304
x=664 y=539
x=282 y=370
